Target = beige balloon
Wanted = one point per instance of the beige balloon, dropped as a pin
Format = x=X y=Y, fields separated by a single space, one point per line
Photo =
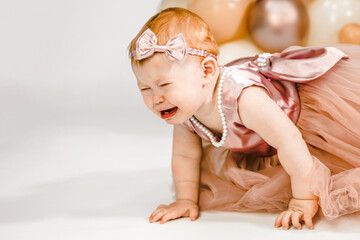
x=327 y=17
x=307 y=2
x=350 y=33
x=226 y=18
x=237 y=49
x=173 y=3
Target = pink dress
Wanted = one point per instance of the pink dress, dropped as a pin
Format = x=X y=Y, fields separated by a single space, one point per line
x=319 y=89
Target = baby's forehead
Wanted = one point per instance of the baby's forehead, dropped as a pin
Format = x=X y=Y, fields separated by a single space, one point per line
x=153 y=63
x=159 y=68
x=155 y=66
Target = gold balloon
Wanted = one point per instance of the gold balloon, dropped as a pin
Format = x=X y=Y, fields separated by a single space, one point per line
x=327 y=17
x=173 y=3
x=350 y=33
x=277 y=24
x=226 y=18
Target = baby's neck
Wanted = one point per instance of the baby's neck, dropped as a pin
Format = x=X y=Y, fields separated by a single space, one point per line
x=208 y=114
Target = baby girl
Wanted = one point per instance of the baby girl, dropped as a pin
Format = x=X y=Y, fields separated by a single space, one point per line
x=274 y=132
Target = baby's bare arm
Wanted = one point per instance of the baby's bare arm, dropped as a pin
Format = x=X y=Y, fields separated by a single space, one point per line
x=261 y=114
x=186 y=157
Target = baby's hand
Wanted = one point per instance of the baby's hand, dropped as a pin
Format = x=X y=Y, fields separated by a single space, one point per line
x=298 y=210
x=179 y=208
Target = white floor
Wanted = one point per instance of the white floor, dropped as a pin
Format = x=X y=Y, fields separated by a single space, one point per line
x=102 y=179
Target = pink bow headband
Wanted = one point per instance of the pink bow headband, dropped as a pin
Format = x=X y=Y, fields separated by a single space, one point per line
x=175 y=49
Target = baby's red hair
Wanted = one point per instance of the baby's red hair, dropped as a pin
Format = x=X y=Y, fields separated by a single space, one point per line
x=173 y=21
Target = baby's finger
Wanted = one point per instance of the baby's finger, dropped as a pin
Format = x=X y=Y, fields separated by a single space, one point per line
x=279 y=219
x=162 y=206
x=158 y=216
x=295 y=219
x=194 y=213
x=308 y=222
x=169 y=216
x=155 y=212
x=286 y=220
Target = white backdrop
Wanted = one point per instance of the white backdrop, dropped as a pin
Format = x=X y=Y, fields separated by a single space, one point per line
x=66 y=61
x=53 y=51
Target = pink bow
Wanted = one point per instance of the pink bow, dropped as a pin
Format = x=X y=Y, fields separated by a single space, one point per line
x=146 y=46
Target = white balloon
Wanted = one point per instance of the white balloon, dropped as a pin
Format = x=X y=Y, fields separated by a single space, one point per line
x=327 y=17
x=237 y=49
x=173 y=3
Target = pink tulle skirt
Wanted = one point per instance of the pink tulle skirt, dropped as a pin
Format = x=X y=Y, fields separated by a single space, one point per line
x=330 y=124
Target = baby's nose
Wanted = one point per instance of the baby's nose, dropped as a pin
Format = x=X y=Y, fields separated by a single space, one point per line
x=158 y=99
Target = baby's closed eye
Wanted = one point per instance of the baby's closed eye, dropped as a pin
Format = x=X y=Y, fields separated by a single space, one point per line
x=164 y=84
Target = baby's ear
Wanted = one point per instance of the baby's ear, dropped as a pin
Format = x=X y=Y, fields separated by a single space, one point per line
x=209 y=67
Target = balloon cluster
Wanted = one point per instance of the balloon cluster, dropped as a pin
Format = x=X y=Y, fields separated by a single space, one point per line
x=249 y=27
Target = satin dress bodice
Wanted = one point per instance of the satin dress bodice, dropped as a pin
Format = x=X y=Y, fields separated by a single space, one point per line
x=279 y=77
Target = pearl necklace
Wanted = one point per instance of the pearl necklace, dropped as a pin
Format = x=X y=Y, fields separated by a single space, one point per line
x=205 y=129
x=262 y=59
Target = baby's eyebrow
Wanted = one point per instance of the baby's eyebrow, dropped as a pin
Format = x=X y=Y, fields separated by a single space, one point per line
x=156 y=82
x=160 y=79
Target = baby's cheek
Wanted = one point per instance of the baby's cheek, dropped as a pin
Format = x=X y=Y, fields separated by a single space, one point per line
x=147 y=101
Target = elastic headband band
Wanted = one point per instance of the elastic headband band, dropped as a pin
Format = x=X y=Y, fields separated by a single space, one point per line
x=175 y=49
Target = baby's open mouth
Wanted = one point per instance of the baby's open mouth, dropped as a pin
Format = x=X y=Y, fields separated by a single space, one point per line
x=168 y=112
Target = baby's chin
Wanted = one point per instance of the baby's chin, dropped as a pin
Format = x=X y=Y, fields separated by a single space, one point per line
x=175 y=121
